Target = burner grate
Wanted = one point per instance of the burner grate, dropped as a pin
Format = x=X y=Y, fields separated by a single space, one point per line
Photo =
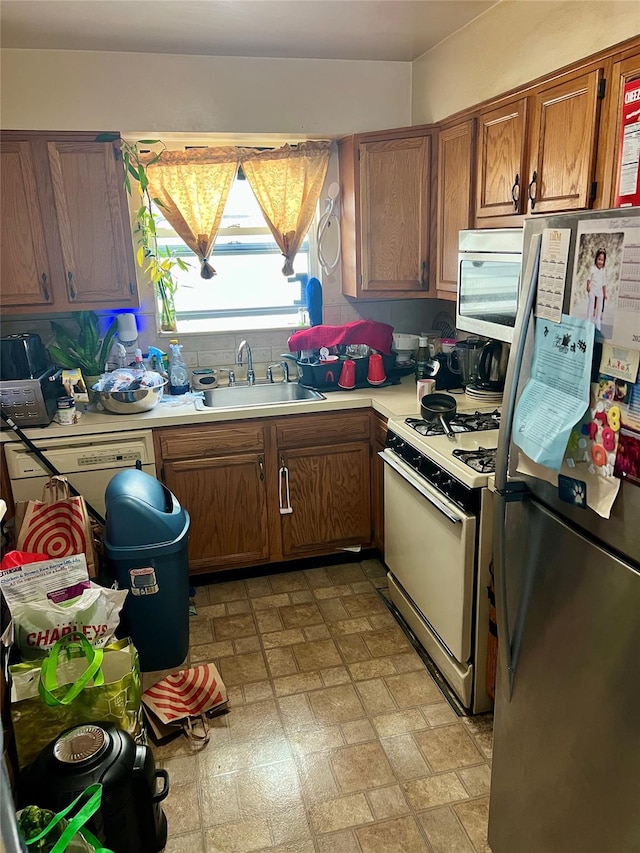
x=470 y=422
x=482 y=460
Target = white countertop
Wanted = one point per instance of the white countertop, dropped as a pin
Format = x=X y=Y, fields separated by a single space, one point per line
x=391 y=402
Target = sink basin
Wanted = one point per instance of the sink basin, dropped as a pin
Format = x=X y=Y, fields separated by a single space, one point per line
x=269 y=394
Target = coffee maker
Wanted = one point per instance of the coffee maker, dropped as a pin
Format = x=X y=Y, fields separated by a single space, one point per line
x=444 y=368
x=29 y=385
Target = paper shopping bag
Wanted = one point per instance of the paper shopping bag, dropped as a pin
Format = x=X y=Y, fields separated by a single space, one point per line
x=58 y=525
x=76 y=683
x=183 y=700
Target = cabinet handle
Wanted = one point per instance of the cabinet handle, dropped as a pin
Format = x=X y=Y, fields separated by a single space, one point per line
x=261 y=467
x=532 y=195
x=515 y=192
x=423 y=277
x=45 y=289
x=284 y=495
x=71 y=287
x=131 y=288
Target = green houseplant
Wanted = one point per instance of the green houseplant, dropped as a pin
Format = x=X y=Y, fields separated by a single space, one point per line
x=85 y=349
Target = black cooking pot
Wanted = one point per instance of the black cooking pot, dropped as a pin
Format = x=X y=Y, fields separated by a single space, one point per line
x=439 y=407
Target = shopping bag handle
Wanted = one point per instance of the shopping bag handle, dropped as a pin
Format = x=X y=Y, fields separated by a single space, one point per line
x=55 y=489
x=49 y=667
x=94 y=792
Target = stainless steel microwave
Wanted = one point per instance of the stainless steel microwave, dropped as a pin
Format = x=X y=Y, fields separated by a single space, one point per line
x=489 y=263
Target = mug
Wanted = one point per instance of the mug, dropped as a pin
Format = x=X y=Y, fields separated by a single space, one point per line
x=424 y=387
x=376 y=374
x=347 y=378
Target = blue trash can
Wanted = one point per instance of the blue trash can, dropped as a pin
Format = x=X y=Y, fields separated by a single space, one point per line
x=146 y=542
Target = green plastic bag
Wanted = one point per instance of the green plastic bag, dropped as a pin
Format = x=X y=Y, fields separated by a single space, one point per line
x=76 y=683
x=63 y=832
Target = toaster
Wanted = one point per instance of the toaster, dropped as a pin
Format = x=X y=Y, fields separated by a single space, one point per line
x=32 y=402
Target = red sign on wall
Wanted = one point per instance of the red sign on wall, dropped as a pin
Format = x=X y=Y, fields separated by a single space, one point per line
x=628 y=188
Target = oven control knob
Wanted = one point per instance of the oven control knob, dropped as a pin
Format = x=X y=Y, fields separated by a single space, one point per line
x=395 y=442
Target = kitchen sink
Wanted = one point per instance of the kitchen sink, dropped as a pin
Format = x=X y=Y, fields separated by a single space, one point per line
x=268 y=394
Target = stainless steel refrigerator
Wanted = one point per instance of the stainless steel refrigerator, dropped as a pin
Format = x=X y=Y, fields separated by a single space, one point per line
x=566 y=761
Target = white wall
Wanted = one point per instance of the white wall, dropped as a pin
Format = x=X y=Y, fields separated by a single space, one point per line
x=511 y=44
x=89 y=90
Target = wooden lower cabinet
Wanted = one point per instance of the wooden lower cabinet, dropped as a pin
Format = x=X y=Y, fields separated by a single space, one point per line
x=379 y=440
x=231 y=478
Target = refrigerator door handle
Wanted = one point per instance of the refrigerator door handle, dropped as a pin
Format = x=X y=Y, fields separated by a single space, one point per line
x=523 y=319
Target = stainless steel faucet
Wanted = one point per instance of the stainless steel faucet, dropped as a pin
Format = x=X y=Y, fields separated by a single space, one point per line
x=251 y=377
x=285 y=371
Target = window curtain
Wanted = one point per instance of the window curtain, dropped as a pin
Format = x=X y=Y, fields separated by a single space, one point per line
x=287 y=183
x=192 y=187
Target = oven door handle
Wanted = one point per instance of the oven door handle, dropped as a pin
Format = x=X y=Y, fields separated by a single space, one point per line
x=439 y=505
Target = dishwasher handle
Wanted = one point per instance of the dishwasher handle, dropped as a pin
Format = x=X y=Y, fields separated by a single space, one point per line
x=439 y=505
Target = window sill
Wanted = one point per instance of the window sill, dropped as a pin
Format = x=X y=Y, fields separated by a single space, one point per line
x=264 y=323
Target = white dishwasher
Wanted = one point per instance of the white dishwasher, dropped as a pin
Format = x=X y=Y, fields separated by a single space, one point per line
x=88 y=462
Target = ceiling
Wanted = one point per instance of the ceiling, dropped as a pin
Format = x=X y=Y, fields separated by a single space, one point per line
x=399 y=30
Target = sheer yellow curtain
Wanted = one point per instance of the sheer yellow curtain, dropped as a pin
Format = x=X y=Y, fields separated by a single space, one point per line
x=287 y=183
x=193 y=187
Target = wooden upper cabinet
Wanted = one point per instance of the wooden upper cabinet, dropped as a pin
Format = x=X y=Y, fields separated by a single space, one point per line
x=562 y=144
x=623 y=71
x=26 y=270
x=501 y=161
x=65 y=234
x=455 y=201
x=93 y=222
x=386 y=216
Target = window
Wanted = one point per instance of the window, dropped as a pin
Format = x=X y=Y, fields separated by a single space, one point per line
x=249 y=290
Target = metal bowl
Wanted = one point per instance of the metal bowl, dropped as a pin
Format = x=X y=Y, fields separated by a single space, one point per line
x=130 y=402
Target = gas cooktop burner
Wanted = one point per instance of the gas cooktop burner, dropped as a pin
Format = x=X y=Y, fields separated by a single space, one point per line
x=471 y=422
x=482 y=460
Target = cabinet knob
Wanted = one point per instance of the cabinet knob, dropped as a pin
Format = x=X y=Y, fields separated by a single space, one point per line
x=532 y=189
x=45 y=288
x=71 y=287
x=515 y=192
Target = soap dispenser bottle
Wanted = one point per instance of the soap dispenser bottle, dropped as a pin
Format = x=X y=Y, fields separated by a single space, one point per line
x=178 y=373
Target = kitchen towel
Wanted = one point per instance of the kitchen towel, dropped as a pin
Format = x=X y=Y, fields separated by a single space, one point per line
x=378 y=336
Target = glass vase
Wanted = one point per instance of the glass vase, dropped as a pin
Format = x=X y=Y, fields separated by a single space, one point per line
x=167 y=308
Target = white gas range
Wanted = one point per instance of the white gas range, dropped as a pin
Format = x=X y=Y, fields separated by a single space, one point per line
x=438 y=524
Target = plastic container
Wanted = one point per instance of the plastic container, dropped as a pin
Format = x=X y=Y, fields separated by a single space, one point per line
x=422 y=359
x=178 y=373
x=145 y=541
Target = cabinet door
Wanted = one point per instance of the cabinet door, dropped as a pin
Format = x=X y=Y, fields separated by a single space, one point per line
x=95 y=234
x=330 y=498
x=563 y=145
x=377 y=481
x=455 y=181
x=624 y=71
x=226 y=499
x=501 y=163
x=25 y=268
x=394 y=216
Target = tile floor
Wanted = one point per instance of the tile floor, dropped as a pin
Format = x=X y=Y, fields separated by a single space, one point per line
x=337 y=740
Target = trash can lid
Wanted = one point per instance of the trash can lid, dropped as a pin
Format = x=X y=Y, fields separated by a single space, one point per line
x=140 y=510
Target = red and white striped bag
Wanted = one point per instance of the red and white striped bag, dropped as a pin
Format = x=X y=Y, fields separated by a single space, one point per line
x=183 y=700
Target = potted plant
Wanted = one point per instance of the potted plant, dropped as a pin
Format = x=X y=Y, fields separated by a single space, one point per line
x=85 y=349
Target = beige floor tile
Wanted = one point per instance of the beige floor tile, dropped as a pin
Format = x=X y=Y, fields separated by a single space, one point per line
x=365 y=605
x=258 y=587
x=266 y=601
x=434 y=791
x=361 y=767
x=341 y=813
x=318 y=782
x=352 y=648
x=235 y=695
x=235 y=608
x=413 y=688
x=318 y=655
x=301 y=596
x=246 y=645
x=200 y=631
x=219 y=800
x=448 y=747
x=357 y=731
x=332 y=592
x=475 y=817
x=242 y=668
x=351 y=626
x=210 y=651
x=294 y=847
x=480 y=724
x=228 y=591
x=339 y=842
x=444 y=832
x=348 y=573
x=243 y=755
x=362 y=587
x=440 y=714
x=477 y=780
x=182 y=769
x=182 y=808
x=289 y=826
x=192 y=842
x=373 y=568
x=315 y=739
x=484 y=742
x=266 y=789
x=336 y=704
x=296 y=712
x=210 y=610
x=387 y=802
x=332 y=610
x=335 y=675
x=269 y=620
x=232 y=627
x=287 y=637
x=399 y=722
x=375 y=696
x=317 y=578
x=401 y=835
x=379 y=621
x=300 y=615
x=298 y=683
x=390 y=641
x=316 y=632
x=375 y=668
x=255 y=721
x=405 y=757
x=201 y=595
x=287 y=581
x=240 y=837
x=281 y=661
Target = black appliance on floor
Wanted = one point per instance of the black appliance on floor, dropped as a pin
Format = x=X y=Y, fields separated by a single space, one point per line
x=130 y=818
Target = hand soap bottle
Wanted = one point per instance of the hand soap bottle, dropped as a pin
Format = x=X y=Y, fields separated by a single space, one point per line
x=178 y=373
